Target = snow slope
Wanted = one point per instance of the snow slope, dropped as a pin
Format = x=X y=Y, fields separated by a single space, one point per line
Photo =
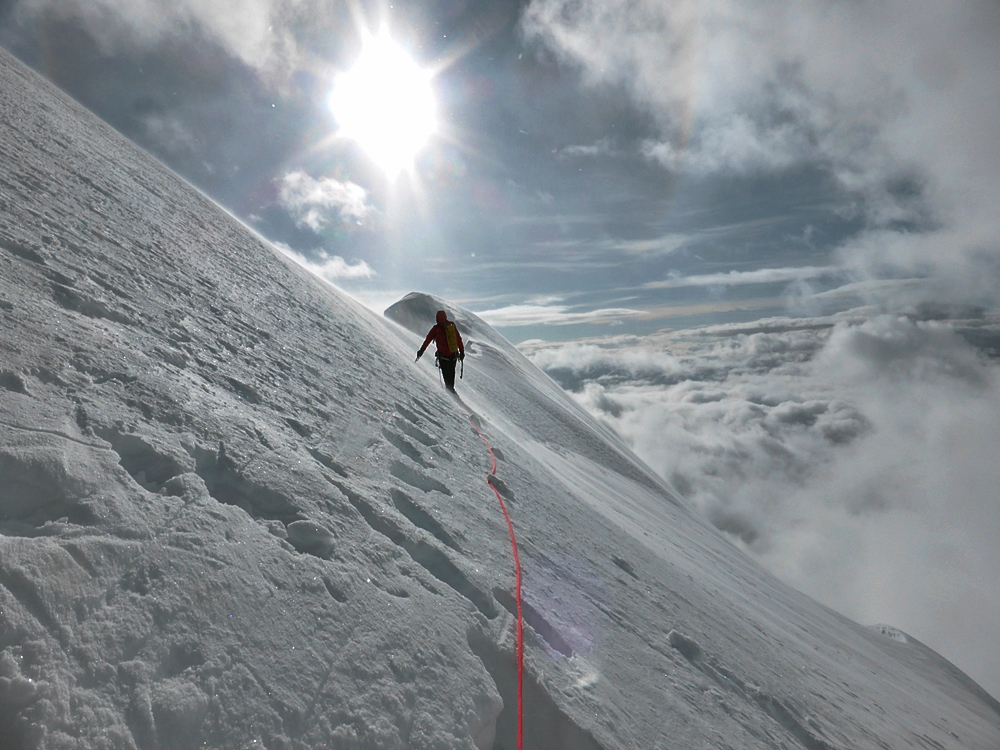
x=235 y=513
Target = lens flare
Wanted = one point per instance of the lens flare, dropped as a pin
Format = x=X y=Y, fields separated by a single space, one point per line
x=385 y=103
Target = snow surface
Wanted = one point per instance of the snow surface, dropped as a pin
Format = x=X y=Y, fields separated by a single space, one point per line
x=235 y=513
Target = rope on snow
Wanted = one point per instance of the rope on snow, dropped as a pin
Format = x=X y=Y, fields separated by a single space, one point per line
x=517 y=590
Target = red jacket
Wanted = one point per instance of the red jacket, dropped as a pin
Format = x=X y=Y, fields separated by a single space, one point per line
x=446 y=336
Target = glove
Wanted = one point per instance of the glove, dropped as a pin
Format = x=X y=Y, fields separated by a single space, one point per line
x=461 y=355
x=420 y=353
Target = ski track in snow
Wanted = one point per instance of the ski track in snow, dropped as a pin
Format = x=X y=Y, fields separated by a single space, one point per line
x=235 y=514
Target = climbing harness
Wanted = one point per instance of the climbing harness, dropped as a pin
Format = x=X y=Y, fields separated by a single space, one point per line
x=517 y=590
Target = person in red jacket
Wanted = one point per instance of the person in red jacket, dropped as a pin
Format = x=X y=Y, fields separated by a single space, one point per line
x=450 y=348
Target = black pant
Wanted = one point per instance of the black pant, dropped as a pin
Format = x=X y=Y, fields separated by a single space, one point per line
x=447 y=365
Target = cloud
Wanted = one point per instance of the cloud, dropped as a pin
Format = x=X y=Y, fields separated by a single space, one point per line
x=313 y=202
x=896 y=102
x=738 y=145
x=170 y=133
x=601 y=147
x=662 y=245
x=258 y=32
x=853 y=456
x=593 y=252
x=332 y=268
x=601 y=247
x=738 y=278
x=551 y=314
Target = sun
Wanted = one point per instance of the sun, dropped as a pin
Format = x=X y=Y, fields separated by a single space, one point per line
x=386 y=104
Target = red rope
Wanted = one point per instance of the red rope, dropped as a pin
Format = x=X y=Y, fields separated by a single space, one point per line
x=517 y=593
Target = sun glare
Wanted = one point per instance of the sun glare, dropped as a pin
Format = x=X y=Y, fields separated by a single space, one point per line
x=386 y=104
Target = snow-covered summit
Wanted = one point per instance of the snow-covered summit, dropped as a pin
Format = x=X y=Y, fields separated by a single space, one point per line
x=513 y=392
x=235 y=513
x=416 y=311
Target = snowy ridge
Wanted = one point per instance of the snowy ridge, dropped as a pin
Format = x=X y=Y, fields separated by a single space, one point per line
x=235 y=513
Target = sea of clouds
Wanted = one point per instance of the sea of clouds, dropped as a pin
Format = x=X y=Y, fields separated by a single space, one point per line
x=854 y=455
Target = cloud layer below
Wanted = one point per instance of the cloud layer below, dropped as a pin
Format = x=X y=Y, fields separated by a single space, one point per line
x=853 y=456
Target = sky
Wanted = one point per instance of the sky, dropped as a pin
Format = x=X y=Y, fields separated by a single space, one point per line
x=814 y=183
x=597 y=164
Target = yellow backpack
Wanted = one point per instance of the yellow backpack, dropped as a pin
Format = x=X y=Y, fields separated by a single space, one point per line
x=451 y=336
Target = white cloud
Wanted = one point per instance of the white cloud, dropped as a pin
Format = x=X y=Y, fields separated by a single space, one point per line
x=550 y=314
x=170 y=134
x=330 y=267
x=738 y=278
x=854 y=457
x=315 y=203
x=256 y=31
x=601 y=147
x=663 y=152
x=898 y=102
x=599 y=251
x=663 y=245
x=738 y=145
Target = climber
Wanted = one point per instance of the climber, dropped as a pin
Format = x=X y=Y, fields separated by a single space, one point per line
x=450 y=348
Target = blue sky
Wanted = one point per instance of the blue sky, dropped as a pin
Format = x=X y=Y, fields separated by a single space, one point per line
x=602 y=166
